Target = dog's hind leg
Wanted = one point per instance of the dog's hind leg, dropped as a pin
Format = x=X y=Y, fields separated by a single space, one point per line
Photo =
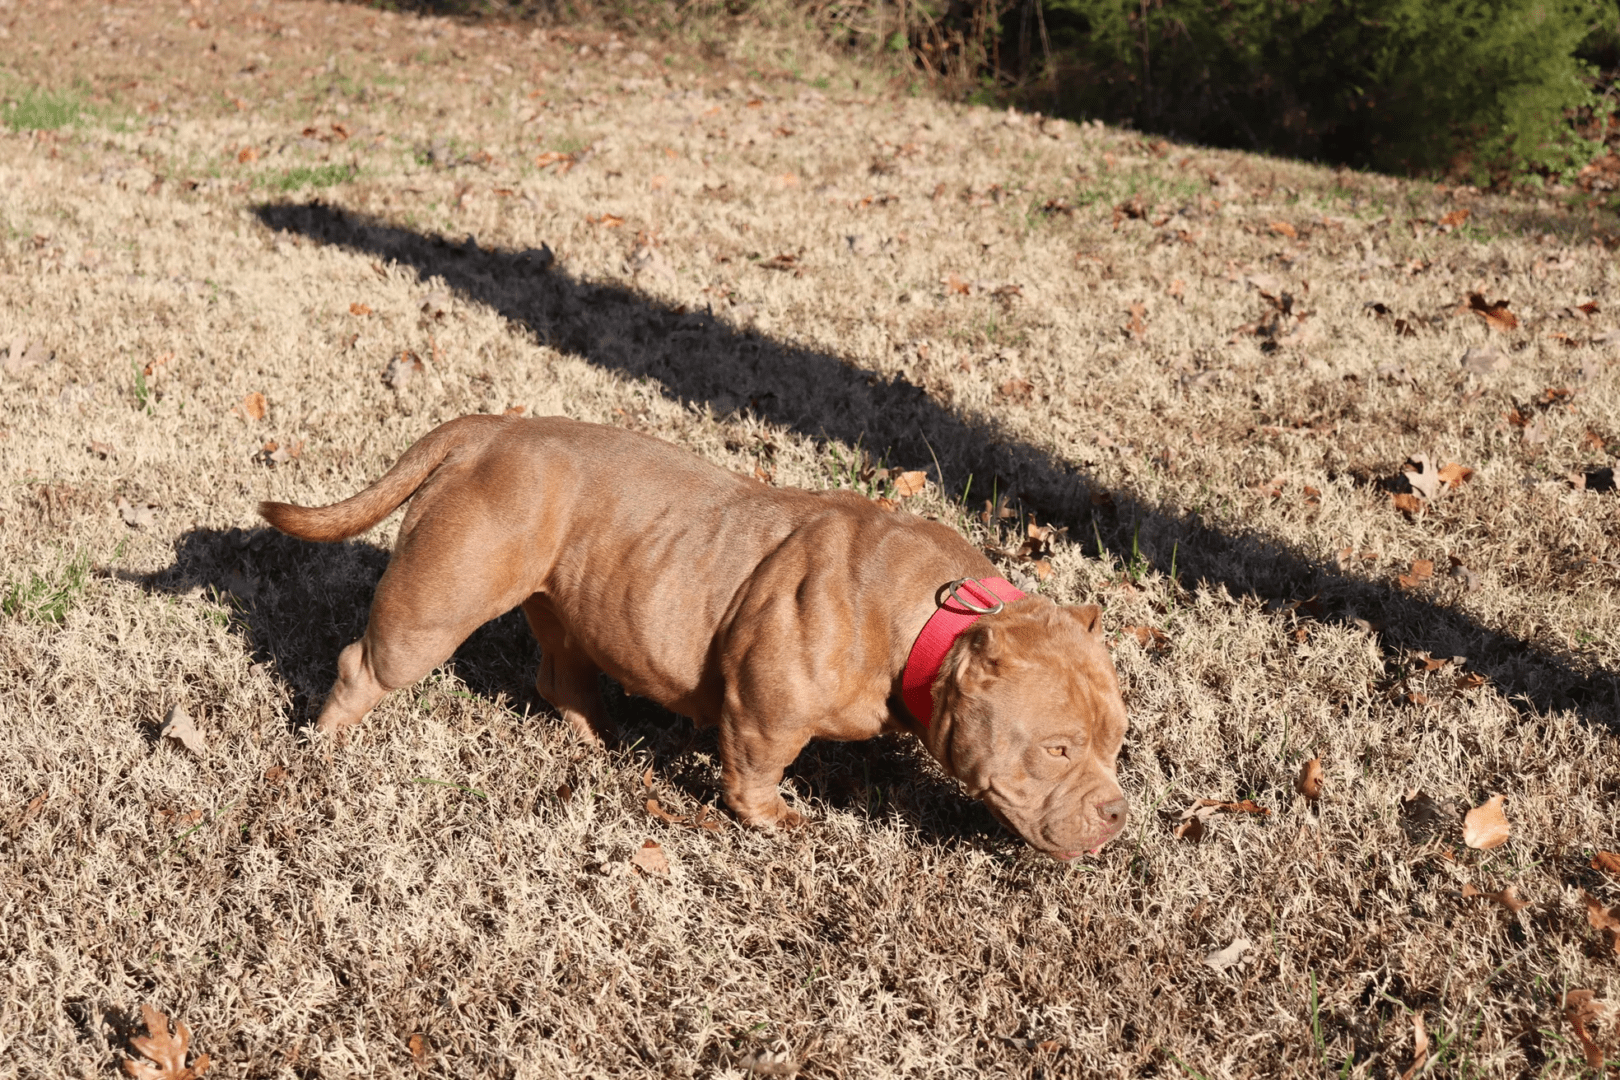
x=567 y=678
x=438 y=588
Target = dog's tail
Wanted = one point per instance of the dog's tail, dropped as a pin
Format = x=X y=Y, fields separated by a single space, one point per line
x=361 y=511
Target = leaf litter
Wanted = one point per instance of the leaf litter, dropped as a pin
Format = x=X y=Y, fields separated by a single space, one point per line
x=164 y=1051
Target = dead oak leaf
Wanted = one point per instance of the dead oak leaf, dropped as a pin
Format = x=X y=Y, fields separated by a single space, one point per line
x=1149 y=637
x=563 y=162
x=1452 y=220
x=1483 y=361
x=1282 y=228
x=358 y=308
x=1495 y=313
x=402 y=369
x=1204 y=808
x=1421 y=474
x=1608 y=862
x=1221 y=959
x=910 y=483
x=1016 y=389
x=1605 y=920
x=1420 y=1048
x=1422 y=570
x=1507 y=897
x=1486 y=826
x=1454 y=475
x=182 y=729
x=1136 y=326
x=139 y=515
x=1192 y=830
x=1580 y=1010
x=1406 y=502
x=164 y=1051
x=253 y=407
x=1309 y=781
x=650 y=859
x=663 y=815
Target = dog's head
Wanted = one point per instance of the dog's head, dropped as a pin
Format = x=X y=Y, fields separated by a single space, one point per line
x=1030 y=719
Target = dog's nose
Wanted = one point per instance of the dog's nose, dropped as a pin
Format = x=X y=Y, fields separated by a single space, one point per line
x=1113 y=814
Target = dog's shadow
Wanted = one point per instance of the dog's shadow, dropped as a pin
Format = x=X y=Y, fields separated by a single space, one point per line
x=296 y=604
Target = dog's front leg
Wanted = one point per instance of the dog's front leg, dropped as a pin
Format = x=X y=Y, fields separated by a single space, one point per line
x=753 y=758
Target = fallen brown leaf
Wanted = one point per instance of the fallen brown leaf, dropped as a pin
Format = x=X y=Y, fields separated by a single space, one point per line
x=1507 y=897
x=180 y=727
x=910 y=483
x=649 y=859
x=1407 y=503
x=1607 y=861
x=1420 y=1048
x=1149 y=637
x=359 y=309
x=140 y=515
x=706 y=819
x=1495 y=313
x=1191 y=829
x=1455 y=475
x=663 y=815
x=1486 y=826
x=1454 y=219
x=954 y=284
x=165 y=1052
x=1580 y=1010
x=1422 y=570
x=1016 y=389
x=1484 y=361
x=565 y=794
x=419 y=1046
x=1309 y=781
x=1136 y=327
x=401 y=369
x=1282 y=228
x=1593 y=441
x=1042 y=570
x=770 y=1063
x=1605 y=921
x=253 y=406
x=562 y=161
x=1205 y=807
x=1422 y=475
x=1221 y=959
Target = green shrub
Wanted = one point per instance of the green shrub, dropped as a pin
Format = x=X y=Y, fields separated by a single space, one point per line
x=1415 y=86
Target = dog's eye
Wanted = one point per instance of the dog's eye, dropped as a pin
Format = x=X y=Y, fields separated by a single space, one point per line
x=1058 y=751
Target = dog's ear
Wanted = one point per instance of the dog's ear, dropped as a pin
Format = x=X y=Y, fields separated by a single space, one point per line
x=1089 y=616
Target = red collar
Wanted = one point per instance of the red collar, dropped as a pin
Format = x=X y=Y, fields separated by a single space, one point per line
x=967 y=601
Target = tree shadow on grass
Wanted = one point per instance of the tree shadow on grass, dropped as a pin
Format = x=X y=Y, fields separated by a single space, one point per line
x=702 y=361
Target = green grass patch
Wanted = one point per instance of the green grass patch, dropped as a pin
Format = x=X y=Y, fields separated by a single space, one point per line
x=42 y=110
x=47 y=598
x=303 y=176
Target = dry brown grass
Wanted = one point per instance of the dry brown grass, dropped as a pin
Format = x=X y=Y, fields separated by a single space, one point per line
x=306 y=908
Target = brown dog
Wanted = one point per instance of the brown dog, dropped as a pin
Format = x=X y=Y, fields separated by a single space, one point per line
x=781 y=615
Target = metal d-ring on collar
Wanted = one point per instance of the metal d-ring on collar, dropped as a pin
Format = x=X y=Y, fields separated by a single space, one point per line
x=969 y=604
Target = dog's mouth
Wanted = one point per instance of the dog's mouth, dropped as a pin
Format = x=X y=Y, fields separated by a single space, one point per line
x=1070 y=856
